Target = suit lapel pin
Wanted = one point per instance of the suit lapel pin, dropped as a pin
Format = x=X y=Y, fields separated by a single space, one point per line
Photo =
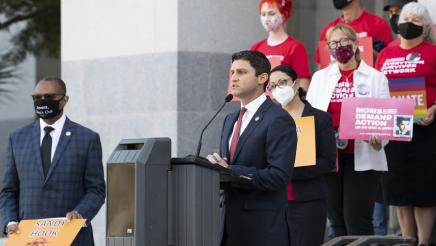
x=68 y=133
x=257 y=118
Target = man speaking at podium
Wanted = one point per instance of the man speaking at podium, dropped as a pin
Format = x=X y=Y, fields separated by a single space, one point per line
x=53 y=167
x=258 y=142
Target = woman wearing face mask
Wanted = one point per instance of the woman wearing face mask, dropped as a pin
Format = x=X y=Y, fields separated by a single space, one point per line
x=279 y=47
x=307 y=208
x=381 y=210
x=352 y=190
x=394 y=8
x=410 y=184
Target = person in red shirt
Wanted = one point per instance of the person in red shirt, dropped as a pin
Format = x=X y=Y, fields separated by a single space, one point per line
x=394 y=8
x=381 y=210
x=279 y=47
x=410 y=184
x=364 y=23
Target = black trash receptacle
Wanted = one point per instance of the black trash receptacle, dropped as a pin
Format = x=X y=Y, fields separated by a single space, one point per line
x=137 y=192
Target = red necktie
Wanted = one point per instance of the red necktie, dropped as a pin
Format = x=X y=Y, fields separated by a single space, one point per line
x=235 y=136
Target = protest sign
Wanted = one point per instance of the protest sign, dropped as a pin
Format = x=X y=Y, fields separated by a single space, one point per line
x=53 y=231
x=411 y=88
x=389 y=119
x=306 y=148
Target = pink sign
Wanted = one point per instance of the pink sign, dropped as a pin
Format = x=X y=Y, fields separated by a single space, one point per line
x=389 y=119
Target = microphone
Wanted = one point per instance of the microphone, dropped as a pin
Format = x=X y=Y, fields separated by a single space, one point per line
x=205 y=162
x=228 y=98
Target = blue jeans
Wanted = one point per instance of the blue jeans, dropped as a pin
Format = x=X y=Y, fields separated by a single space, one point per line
x=380 y=219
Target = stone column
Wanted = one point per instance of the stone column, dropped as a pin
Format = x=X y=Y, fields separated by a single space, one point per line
x=209 y=32
x=119 y=60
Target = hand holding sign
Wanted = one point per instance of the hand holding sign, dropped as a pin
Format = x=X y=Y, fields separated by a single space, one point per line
x=73 y=215
x=375 y=143
x=428 y=117
x=12 y=228
x=54 y=231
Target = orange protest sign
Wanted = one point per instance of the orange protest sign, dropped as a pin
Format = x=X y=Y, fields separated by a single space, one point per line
x=306 y=149
x=365 y=47
x=54 y=231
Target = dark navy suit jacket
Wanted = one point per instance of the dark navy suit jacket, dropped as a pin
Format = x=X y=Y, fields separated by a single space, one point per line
x=75 y=180
x=256 y=210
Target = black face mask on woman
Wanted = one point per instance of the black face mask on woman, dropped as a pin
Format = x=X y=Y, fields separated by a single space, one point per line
x=340 y=4
x=409 y=30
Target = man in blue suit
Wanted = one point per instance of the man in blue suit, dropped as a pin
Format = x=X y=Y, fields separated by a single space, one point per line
x=54 y=167
x=258 y=142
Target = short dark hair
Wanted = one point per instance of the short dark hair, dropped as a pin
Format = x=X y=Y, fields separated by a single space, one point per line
x=58 y=80
x=401 y=119
x=257 y=60
x=288 y=70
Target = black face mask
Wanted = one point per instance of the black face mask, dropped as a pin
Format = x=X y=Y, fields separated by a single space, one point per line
x=394 y=23
x=409 y=30
x=47 y=108
x=340 y=4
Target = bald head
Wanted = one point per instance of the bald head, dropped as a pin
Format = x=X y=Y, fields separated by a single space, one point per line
x=57 y=85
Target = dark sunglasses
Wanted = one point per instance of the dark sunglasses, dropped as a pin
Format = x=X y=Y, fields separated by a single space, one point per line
x=37 y=97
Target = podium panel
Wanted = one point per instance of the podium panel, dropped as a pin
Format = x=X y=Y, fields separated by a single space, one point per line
x=197 y=205
x=158 y=201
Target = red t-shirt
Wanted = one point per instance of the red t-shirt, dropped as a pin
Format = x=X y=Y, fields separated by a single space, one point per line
x=395 y=42
x=396 y=62
x=366 y=25
x=290 y=52
x=344 y=89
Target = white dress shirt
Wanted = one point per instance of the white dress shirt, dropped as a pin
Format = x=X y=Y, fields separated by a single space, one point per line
x=55 y=134
x=251 y=107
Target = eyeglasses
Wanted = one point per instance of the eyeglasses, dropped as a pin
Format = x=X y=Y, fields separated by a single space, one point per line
x=342 y=42
x=281 y=83
x=37 y=97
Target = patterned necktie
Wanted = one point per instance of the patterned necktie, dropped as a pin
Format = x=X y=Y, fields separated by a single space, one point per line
x=46 y=149
x=235 y=136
